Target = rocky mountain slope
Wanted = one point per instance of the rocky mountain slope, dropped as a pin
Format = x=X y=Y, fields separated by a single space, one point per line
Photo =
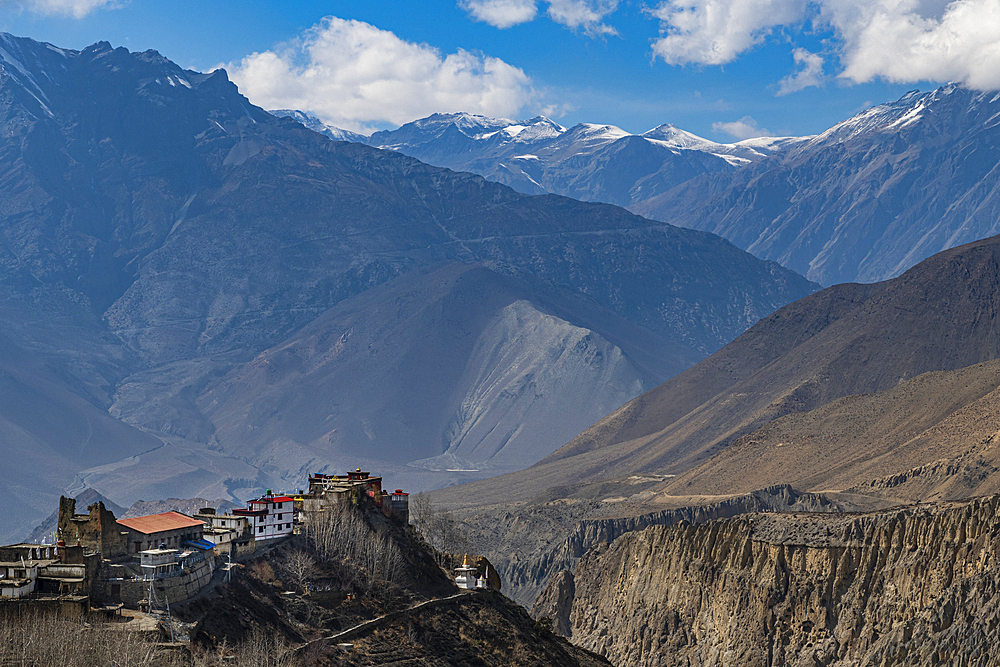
x=865 y=200
x=845 y=340
x=838 y=394
x=587 y=162
x=530 y=543
x=505 y=368
x=862 y=202
x=899 y=587
x=159 y=232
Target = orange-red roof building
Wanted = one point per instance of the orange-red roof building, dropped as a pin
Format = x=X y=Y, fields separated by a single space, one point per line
x=153 y=530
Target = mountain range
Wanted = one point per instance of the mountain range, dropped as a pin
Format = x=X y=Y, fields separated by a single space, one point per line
x=861 y=202
x=589 y=162
x=213 y=299
x=865 y=200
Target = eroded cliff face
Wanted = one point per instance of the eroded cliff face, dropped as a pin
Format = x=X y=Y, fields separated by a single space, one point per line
x=531 y=544
x=914 y=586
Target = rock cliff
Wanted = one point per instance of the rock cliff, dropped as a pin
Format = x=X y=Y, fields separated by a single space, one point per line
x=530 y=543
x=906 y=586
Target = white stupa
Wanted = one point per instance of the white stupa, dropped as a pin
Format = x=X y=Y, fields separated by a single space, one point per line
x=465 y=576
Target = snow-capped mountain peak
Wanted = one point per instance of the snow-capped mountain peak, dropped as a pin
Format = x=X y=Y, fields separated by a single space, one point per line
x=738 y=154
x=316 y=125
x=915 y=110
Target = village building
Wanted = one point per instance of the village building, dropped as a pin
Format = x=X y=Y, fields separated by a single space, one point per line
x=231 y=534
x=33 y=570
x=17 y=580
x=329 y=490
x=320 y=483
x=172 y=529
x=270 y=517
x=158 y=563
x=401 y=505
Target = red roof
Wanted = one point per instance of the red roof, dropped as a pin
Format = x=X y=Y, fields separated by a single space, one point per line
x=159 y=523
x=272 y=499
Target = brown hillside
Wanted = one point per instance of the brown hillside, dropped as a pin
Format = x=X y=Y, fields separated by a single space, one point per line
x=933 y=437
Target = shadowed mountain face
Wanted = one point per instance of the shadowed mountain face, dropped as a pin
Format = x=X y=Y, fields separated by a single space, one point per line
x=503 y=368
x=845 y=340
x=865 y=200
x=158 y=233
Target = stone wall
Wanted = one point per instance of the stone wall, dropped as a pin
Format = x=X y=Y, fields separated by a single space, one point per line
x=173 y=589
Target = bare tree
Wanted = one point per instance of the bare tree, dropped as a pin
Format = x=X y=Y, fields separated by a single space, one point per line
x=343 y=537
x=422 y=511
x=299 y=567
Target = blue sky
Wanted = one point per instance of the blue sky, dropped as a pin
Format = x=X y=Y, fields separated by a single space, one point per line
x=723 y=69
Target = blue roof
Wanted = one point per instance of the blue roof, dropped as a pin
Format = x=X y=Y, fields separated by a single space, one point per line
x=204 y=545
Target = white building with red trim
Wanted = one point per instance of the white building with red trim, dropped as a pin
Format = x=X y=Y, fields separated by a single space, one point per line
x=270 y=516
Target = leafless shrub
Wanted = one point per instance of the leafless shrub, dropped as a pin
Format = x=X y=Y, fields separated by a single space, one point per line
x=31 y=639
x=260 y=649
x=264 y=649
x=422 y=511
x=262 y=571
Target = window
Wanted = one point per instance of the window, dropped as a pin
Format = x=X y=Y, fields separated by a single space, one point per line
x=279 y=517
x=261 y=529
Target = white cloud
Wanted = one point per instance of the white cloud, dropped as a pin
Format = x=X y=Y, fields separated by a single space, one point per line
x=75 y=8
x=356 y=76
x=898 y=40
x=501 y=13
x=810 y=72
x=587 y=15
x=715 y=32
x=744 y=128
x=901 y=45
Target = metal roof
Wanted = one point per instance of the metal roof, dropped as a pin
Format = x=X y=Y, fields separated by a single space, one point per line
x=160 y=523
x=204 y=545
